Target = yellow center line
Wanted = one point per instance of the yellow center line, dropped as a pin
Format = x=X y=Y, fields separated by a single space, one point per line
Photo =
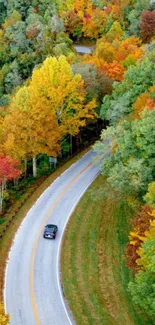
x=34 y=305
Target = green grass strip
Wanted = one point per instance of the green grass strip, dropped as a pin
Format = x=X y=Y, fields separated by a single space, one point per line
x=93 y=270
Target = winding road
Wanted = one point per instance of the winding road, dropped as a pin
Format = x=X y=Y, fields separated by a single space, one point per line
x=33 y=293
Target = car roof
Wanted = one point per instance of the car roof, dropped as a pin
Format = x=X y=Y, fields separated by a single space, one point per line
x=51 y=226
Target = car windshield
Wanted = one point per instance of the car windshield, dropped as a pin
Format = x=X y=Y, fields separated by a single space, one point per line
x=50 y=227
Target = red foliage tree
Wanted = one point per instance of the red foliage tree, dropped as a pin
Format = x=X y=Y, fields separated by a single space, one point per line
x=9 y=170
x=147 y=26
x=132 y=256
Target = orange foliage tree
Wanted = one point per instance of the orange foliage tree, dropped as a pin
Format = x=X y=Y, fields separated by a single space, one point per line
x=79 y=7
x=129 y=46
x=147 y=99
x=94 y=23
x=93 y=59
x=140 y=224
x=114 y=70
x=117 y=54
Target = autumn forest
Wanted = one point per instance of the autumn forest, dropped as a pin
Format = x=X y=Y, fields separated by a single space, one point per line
x=54 y=101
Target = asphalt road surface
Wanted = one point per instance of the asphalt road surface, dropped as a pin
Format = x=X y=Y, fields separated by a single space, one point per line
x=33 y=294
x=83 y=49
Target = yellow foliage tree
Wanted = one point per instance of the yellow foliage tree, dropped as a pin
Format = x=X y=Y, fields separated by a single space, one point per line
x=52 y=105
x=12 y=20
x=150 y=196
x=31 y=128
x=4 y=319
x=57 y=87
x=69 y=4
x=115 y=33
x=144 y=259
x=105 y=51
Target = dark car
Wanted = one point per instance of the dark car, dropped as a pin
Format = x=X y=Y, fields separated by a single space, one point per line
x=50 y=231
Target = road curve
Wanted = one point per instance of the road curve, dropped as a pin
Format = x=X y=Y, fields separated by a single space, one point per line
x=32 y=293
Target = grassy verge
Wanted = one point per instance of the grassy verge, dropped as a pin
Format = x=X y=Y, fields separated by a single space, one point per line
x=94 y=274
x=6 y=241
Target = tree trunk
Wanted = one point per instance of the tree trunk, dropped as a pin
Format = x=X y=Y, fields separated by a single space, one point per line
x=4 y=186
x=16 y=182
x=25 y=167
x=1 y=196
x=34 y=167
x=61 y=154
x=1 y=204
x=71 y=144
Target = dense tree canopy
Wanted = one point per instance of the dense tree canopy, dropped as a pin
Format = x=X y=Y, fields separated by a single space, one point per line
x=31 y=127
x=52 y=105
x=48 y=93
x=25 y=42
x=132 y=165
x=138 y=79
x=56 y=84
x=97 y=84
